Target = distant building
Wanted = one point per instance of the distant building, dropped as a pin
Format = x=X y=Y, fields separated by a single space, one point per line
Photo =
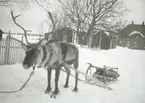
x=114 y=38
x=101 y=40
x=132 y=36
x=63 y=35
x=82 y=38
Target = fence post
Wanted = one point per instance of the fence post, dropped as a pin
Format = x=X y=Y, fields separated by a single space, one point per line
x=7 y=48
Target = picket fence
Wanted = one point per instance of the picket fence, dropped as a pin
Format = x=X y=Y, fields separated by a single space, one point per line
x=11 y=51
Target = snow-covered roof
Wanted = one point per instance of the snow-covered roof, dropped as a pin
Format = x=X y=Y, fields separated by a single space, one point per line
x=136 y=32
x=107 y=33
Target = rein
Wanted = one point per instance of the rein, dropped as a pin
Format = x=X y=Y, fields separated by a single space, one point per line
x=54 y=52
x=25 y=83
x=30 y=76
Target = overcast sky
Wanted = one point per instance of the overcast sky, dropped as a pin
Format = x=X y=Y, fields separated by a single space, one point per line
x=32 y=18
x=137 y=10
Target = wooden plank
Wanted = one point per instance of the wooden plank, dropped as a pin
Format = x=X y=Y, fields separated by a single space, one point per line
x=2 y=56
x=11 y=50
x=16 y=52
x=2 y=51
x=6 y=51
x=8 y=47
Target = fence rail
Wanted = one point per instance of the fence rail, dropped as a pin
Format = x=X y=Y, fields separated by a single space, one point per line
x=11 y=51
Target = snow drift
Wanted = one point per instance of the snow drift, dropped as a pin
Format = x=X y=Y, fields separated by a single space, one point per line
x=128 y=89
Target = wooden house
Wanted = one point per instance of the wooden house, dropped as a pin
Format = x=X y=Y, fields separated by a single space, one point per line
x=82 y=38
x=63 y=35
x=132 y=36
x=101 y=40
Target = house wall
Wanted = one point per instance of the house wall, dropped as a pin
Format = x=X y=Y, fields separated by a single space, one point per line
x=114 y=38
x=132 y=36
x=135 y=41
x=95 y=41
x=64 y=35
x=105 y=40
x=82 y=38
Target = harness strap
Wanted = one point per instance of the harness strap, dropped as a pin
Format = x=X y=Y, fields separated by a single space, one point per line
x=64 y=49
x=51 y=54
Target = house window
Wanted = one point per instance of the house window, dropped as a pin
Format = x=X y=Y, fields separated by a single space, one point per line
x=127 y=43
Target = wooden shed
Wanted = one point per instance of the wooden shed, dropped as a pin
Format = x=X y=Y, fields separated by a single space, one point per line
x=64 y=35
x=82 y=38
x=100 y=40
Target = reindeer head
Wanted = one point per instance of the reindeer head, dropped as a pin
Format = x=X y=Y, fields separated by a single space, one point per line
x=32 y=52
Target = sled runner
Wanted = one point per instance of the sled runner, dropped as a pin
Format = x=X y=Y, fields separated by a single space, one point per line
x=106 y=75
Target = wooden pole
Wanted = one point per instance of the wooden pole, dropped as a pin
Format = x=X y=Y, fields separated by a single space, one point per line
x=111 y=42
x=100 y=40
x=7 y=48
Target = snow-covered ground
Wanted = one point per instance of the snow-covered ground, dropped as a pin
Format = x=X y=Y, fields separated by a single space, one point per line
x=130 y=88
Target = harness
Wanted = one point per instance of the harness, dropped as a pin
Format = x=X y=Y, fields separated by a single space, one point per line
x=51 y=54
x=64 y=49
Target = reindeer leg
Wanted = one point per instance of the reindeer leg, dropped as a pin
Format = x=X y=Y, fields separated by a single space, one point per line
x=56 y=91
x=67 y=78
x=48 y=90
x=76 y=74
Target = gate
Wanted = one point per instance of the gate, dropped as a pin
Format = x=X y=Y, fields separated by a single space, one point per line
x=11 y=51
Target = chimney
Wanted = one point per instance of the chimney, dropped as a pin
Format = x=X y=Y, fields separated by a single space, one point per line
x=132 y=22
x=143 y=23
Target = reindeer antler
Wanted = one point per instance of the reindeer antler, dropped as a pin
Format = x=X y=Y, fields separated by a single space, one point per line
x=53 y=29
x=14 y=19
x=51 y=18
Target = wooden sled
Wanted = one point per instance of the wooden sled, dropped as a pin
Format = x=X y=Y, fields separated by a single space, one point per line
x=106 y=75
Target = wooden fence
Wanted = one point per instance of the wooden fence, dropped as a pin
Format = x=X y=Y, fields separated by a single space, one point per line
x=11 y=51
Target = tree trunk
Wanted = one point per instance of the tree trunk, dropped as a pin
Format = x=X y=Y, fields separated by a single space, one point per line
x=78 y=28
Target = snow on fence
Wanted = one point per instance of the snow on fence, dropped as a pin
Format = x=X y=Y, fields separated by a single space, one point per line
x=11 y=51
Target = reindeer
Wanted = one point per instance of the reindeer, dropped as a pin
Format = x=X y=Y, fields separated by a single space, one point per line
x=51 y=55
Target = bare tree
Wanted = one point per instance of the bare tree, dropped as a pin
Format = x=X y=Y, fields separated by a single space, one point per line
x=21 y=4
x=46 y=5
x=105 y=15
x=94 y=15
x=77 y=11
x=58 y=19
x=61 y=20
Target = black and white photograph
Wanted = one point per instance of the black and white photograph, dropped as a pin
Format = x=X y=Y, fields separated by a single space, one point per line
x=72 y=51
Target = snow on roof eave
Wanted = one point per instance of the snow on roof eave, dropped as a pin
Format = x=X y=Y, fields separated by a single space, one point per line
x=136 y=32
x=107 y=33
